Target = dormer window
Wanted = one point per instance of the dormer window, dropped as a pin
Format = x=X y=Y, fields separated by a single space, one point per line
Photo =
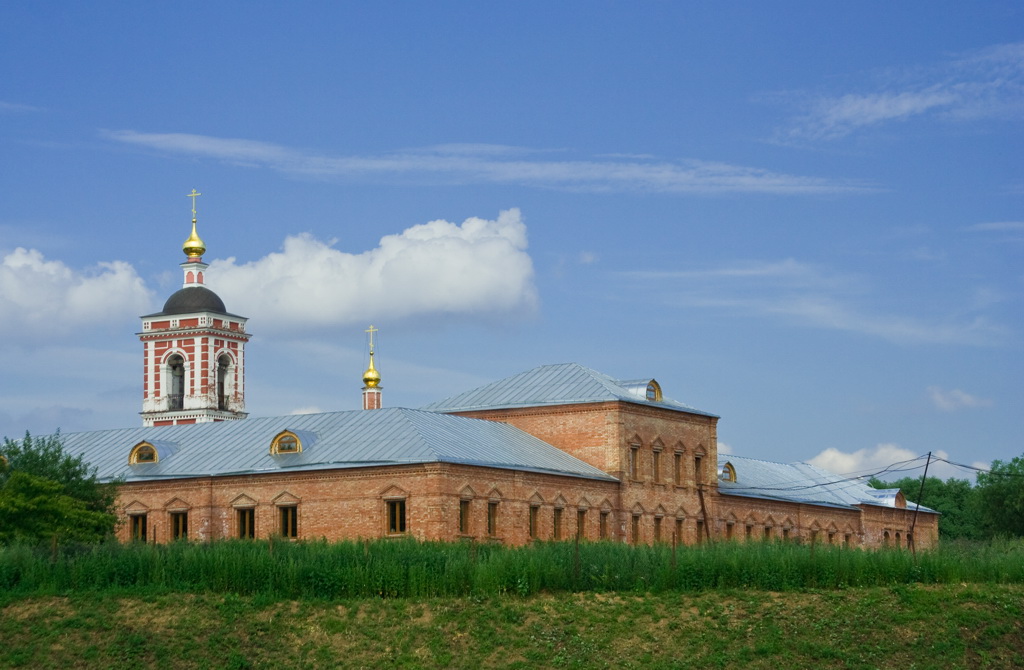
x=286 y=443
x=143 y=452
x=728 y=473
x=653 y=391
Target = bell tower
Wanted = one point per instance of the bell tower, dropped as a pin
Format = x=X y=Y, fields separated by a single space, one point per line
x=193 y=351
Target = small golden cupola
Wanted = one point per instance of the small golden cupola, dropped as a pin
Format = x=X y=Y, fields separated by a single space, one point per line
x=194 y=247
x=371 y=380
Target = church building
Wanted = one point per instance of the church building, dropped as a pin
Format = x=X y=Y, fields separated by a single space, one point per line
x=556 y=452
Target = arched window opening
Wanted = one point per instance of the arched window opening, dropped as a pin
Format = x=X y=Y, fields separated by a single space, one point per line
x=728 y=473
x=176 y=371
x=143 y=452
x=223 y=369
x=286 y=442
x=653 y=391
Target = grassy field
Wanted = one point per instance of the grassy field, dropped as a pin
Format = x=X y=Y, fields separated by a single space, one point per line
x=558 y=605
x=948 y=626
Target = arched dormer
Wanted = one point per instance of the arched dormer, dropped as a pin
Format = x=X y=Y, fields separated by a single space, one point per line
x=142 y=453
x=653 y=391
x=286 y=442
x=727 y=473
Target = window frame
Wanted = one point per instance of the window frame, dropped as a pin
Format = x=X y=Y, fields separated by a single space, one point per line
x=179 y=524
x=289 y=521
x=245 y=521
x=139 y=526
x=492 y=518
x=396 y=516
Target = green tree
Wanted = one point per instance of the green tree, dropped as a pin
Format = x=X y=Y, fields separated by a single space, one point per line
x=46 y=492
x=1001 y=496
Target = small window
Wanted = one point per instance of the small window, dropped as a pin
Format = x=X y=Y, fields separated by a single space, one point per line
x=464 y=517
x=700 y=531
x=634 y=461
x=846 y=540
x=678 y=537
x=654 y=391
x=785 y=533
x=748 y=532
x=635 y=529
x=396 y=517
x=289 y=521
x=581 y=523
x=534 y=514
x=286 y=443
x=677 y=468
x=179 y=525
x=728 y=530
x=603 y=525
x=246 y=523
x=698 y=472
x=558 y=523
x=657 y=529
x=728 y=473
x=143 y=452
x=492 y=518
x=767 y=532
x=138 y=527
x=656 y=467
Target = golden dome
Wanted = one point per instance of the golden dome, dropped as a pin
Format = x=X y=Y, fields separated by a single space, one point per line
x=371 y=377
x=194 y=247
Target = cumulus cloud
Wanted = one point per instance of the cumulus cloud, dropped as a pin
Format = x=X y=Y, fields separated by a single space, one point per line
x=987 y=83
x=40 y=296
x=890 y=462
x=724 y=448
x=478 y=267
x=479 y=163
x=954 y=399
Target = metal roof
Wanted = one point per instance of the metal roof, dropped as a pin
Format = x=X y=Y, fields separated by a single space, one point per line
x=333 y=440
x=802 y=483
x=563 y=384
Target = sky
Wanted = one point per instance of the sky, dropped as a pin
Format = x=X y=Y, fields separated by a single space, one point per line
x=803 y=217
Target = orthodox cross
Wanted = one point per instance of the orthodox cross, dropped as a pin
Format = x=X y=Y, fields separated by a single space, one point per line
x=371 y=330
x=194 y=194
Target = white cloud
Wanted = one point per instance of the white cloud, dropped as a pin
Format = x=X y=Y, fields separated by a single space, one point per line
x=810 y=295
x=998 y=226
x=588 y=258
x=988 y=83
x=478 y=267
x=954 y=399
x=40 y=297
x=890 y=462
x=477 y=163
x=15 y=107
x=312 y=409
x=724 y=448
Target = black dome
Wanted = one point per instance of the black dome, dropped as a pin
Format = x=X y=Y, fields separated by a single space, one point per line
x=194 y=299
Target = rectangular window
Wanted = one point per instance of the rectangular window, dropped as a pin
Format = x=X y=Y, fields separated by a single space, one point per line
x=138 y=526
x=464 y=517
x=558 y=523
x=635 y=529
x=656 y=467
x=785 y=533
x=581 y=523
x=534 y=513
x=603 y=525
x=677 y=469
x=679 y=531
x=179 y=525
x=396 y=517
x=247 y=523
x=634 y=462
x=728 y=530
x=700 y=531
x=767 y=532
x=492 y=518
x=749 y=532
x=698 y=474
x=289 y=521
x=657 y=529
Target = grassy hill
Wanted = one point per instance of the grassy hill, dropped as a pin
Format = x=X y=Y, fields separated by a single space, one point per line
x=946 y=626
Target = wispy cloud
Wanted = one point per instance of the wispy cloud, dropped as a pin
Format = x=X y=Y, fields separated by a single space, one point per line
x=809 y=295
x=985 y=84
x=955 y=399
x=997 y=227
x=889 y=462
x=15 y=107
x=477 y=163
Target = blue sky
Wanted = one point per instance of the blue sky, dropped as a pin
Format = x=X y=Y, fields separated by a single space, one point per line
x=804 y=217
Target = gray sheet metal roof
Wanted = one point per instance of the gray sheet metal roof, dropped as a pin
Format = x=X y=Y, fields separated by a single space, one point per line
x=563 y=384
x=802 y=483
x=332 y=440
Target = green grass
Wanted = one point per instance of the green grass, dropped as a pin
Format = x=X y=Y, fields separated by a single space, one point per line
x=391 y=569
x=916 y=626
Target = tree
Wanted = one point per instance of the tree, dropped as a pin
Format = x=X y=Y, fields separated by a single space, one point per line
x=1001 y=494
x=47 y=493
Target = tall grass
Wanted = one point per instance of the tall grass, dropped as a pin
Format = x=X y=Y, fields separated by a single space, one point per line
x=406 y=568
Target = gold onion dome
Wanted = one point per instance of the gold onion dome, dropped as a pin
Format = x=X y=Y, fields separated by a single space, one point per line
x=194 y=247
x=371 y=377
